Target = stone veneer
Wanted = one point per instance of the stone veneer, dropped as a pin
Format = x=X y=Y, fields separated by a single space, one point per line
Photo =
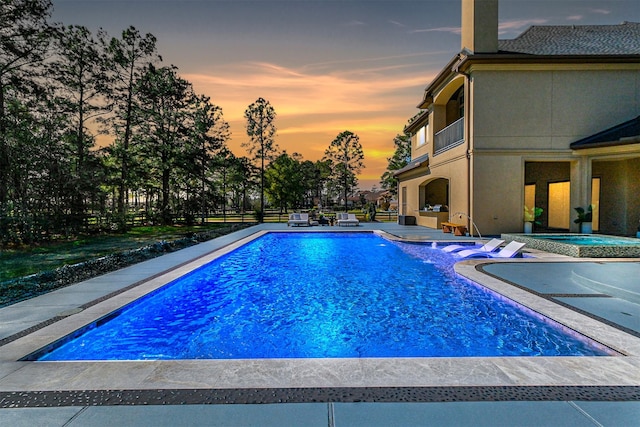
x=631 y=250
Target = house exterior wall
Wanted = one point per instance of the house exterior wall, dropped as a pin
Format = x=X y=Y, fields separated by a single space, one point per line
x=523 y=114
x=498 y=192
x=548 y=107
x=518 y=113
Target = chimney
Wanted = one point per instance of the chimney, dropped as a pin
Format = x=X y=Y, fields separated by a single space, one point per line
x=480 y=26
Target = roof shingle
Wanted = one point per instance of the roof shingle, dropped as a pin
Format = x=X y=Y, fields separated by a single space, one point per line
x=623 y=39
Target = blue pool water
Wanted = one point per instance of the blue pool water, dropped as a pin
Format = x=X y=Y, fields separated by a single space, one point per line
x=322 y=295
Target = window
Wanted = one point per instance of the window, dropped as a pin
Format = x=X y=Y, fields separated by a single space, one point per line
x=559 y=214
x=422 y=135
x=595 y=201
x=530 y=196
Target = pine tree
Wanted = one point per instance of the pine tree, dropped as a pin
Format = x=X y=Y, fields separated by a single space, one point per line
x=347 y=160
x=400 y=159
x=261 y=131
x=128 y=58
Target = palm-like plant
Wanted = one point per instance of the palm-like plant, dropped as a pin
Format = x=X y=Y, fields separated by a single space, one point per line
x=532 y=214
x=584 y=215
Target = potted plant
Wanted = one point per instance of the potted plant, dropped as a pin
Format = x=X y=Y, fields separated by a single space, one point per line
x=531 y=217
x=585 y=218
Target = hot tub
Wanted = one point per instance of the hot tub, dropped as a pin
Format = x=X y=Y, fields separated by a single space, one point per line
x=581 y=245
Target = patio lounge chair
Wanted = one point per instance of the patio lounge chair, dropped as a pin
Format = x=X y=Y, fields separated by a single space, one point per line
x=509 y=251
x=490 y=246
x=298 y=219
x=347 y=219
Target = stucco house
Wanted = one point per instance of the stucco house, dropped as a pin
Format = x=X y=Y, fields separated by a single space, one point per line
x=550 y=118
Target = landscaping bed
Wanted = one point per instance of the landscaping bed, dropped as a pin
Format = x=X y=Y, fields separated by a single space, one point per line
x=17 y=289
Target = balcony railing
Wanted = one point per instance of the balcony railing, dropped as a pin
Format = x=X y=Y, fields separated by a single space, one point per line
x=449 y=137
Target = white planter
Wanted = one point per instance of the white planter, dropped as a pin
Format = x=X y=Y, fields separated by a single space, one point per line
x=586 y=228
x=528 y=227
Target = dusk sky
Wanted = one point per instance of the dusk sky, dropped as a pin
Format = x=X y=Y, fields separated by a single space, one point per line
x=325 y=65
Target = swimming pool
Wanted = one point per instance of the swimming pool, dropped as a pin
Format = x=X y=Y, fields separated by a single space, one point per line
x=321 y=295
x=581 y=245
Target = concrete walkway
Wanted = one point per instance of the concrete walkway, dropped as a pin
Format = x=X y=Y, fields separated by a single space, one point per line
x=452 y=414
x=548 y=410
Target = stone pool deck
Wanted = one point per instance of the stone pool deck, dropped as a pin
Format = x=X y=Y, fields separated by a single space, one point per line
x=567 y=391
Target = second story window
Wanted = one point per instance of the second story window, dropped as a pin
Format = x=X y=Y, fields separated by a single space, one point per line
x=422 y=135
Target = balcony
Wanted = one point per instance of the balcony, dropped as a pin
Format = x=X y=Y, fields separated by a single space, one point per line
x=449 y=137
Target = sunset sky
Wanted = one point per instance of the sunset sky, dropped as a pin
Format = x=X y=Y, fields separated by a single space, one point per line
x=325 y=65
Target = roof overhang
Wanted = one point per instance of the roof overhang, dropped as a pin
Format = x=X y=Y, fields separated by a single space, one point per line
x=625 y=133
x=418 y=122
x=414 y=164
x=441 y=78
x=462 y=62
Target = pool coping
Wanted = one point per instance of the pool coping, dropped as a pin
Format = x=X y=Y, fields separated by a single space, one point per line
x=426 y=379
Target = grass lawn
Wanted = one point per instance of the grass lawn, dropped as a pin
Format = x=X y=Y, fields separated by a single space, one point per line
x=22 y=262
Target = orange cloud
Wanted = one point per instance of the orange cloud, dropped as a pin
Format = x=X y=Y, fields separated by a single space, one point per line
x=314 y=105
x=293 y=92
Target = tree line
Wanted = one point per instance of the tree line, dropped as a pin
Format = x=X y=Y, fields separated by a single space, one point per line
x=400 y=158
x=63 y=87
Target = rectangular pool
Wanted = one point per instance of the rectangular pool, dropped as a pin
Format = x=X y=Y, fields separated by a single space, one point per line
x=321 y=295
